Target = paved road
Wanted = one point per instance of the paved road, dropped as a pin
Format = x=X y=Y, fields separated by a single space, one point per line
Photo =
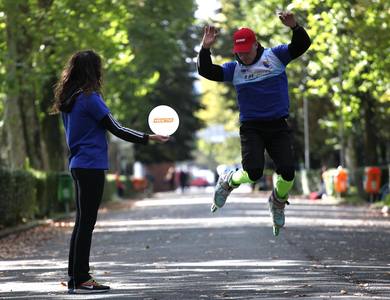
x=171 y=247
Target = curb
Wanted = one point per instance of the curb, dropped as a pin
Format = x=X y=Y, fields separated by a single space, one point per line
x=11 y=230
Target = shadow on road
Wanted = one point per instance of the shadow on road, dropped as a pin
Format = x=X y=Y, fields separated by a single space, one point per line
x=171 y=247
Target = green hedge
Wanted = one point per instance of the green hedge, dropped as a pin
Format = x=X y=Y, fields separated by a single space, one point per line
x=47 y=201
x=30 y=194
x=26 y=195
x=17 y=197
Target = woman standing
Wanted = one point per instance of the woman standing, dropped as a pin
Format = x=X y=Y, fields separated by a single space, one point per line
x=86 y=120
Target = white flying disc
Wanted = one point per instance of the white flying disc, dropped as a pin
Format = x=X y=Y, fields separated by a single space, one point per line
x=163 y=120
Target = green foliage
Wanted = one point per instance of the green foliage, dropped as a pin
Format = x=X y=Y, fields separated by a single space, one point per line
x=214 y=154
x=146 y=46
x=347 y=66
x=2 y=54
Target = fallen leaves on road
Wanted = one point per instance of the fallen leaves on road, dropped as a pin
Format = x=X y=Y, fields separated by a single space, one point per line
x=27 y=243
x=116 y=205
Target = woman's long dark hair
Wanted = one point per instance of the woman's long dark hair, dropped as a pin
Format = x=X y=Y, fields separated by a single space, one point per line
x=83 y=73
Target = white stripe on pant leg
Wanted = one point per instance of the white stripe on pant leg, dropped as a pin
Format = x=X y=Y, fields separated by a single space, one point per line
x=77 y=232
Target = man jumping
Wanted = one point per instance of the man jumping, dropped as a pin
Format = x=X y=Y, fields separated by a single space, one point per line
x=259 y=77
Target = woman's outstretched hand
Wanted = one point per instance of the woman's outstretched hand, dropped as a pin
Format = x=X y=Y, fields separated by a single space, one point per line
x=159 y=138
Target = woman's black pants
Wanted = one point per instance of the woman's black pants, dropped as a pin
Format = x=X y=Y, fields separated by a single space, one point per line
x=89 y=185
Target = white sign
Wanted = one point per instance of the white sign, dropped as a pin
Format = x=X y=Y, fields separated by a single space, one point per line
x=163 y=120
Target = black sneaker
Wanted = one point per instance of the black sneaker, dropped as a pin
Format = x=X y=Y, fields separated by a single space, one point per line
x=89 y=287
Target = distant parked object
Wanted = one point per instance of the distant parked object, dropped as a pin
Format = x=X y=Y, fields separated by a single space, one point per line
x=199 y=182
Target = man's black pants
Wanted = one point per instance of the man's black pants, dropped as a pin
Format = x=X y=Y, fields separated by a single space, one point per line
x=273 y=136
x=89 y=185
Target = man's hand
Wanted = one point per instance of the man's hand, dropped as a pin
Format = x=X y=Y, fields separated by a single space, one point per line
x=287 y=18
x=209 y=36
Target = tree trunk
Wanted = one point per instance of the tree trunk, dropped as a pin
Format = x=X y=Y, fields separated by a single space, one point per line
x=355 y=174
x=52 y=135
x=24 y=131
x=370 y=137
x=13 y=124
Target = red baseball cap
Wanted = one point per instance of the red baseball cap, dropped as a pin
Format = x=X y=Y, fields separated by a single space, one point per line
x=243 y=40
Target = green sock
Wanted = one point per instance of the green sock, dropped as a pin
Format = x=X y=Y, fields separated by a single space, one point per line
x=282 y=187
x=240 y=176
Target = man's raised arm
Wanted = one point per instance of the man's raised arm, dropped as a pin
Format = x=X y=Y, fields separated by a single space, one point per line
x=300 y=40
x=206 y=68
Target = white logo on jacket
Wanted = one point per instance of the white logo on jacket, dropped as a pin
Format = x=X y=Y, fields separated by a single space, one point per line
x=267 y=66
